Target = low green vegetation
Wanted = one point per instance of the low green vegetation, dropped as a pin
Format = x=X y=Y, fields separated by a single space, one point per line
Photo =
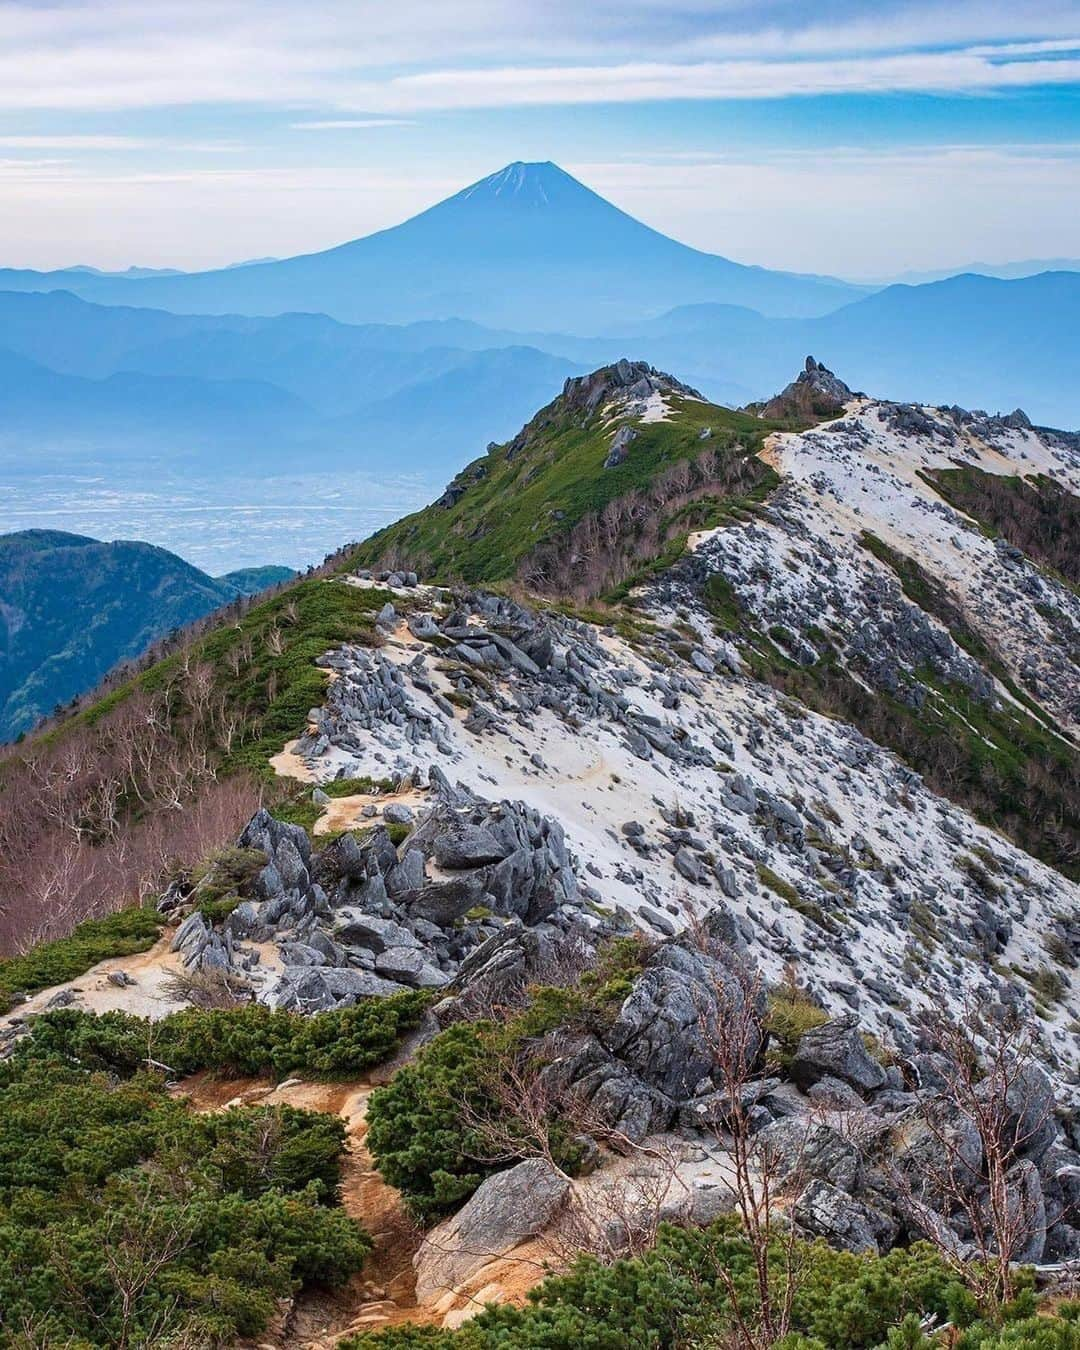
x=1037 y=515
x=265 y=665
x=220 y=880
x=514 y=504
x=1009 y=769
x=127 y=1220
x=242 y=1041
x=791 y=1014
x=697 y=1287
x=122 y=934
x=784 y=889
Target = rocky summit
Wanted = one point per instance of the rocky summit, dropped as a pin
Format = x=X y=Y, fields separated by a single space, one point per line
x=704 y=775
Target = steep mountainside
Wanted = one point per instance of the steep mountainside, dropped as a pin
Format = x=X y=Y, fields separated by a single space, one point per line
x=527 y=247
x=699 y=792
x=72 y=607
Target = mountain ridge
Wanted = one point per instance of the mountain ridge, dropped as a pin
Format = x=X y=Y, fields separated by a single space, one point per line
x=762 y=845
x=73 y=607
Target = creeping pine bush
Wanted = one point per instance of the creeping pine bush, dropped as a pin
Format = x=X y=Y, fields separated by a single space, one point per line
x=251 y=1039
x=121 y=934
x=678 y=1295
x=128 y=1220
x=422 y=1127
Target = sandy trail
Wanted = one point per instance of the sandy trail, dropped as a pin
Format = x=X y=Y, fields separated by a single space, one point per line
x=150 y=996
x=384 y=1292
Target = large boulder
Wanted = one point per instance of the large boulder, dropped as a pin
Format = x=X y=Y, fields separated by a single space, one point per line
x=836 y=1050
x=358 y=929
x=669 y=1030
x=465 y=845
x=1026 y=1211
x=508 y=1209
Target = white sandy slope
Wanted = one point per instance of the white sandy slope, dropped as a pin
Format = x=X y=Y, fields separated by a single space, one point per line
x=902 y=840
x=861 y=474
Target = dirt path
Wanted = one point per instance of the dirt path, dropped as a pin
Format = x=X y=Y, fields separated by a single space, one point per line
x=384 y=1292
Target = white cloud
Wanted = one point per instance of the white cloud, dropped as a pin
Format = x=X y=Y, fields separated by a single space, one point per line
x=417 y=55
x=637 y=82
x=353 y=124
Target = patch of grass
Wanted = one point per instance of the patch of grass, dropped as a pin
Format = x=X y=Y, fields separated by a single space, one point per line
x=791 y=1014
x=1048 y=986
x=923 y=924
x=784 y=889
x=122 y=934
x=722 y=602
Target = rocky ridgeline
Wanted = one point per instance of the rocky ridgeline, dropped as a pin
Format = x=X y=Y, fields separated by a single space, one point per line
x=803 y=570
x=540 y=660
x=481 y=902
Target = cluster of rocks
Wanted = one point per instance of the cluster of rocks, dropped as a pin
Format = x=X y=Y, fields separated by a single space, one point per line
x=361 y=919
x=624 y=388
x=402 y=579
x=540 y=660
x=872 y=1169
x=815 y=393
x=855 y=1145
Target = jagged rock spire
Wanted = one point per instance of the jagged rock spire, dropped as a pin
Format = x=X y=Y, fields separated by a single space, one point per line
x=817 y=392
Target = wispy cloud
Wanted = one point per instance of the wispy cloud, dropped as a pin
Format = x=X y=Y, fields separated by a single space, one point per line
x=966 y=71
x=74 y=142
x=353 y=124
x=414 y=56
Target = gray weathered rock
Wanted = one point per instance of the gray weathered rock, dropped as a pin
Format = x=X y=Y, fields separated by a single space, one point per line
x=828 y=1212
x=836 y=1050
x=666 y=1029
x=803 y=1149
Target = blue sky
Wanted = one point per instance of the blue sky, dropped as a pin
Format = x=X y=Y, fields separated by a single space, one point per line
x=838 y=135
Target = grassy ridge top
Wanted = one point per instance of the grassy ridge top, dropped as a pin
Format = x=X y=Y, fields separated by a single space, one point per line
x=534 y=490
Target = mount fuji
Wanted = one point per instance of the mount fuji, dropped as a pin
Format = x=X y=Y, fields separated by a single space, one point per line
x=529 y=247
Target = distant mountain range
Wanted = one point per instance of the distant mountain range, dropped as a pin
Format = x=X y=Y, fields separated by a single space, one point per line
x=401 y=355
x=137 y=383
x=72 y=607
x=1005 y=271
x=425 y=397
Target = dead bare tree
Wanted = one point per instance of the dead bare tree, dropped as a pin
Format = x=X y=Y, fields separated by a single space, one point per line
x=527 y=1112
x=733 y=1031
x=730 y=1021
x=992 y=1107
